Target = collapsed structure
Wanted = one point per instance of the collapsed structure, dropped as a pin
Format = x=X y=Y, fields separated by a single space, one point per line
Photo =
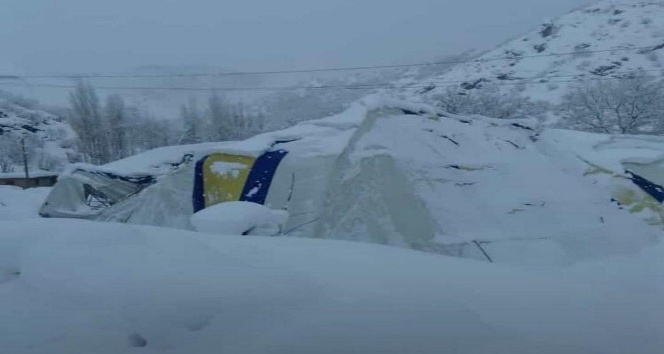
x=399 y=174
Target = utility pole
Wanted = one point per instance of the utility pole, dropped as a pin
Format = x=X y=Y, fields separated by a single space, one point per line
x=25 y=158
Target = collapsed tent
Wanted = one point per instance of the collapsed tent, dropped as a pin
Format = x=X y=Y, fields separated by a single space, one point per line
x=87 y=192
x=648 y=176
x=398 y=174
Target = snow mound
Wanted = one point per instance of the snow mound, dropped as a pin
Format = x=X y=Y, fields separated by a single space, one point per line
x=19 y=204
x=239 y=218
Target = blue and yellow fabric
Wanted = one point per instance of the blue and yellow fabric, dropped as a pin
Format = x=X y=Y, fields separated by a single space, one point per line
x=223 y=177
x=654 y=190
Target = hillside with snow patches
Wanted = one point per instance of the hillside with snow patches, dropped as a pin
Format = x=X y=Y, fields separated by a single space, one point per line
x=49 y=140
x=604 y=40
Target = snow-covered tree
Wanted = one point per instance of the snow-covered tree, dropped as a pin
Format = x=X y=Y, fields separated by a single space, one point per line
x=7 y=162
x=148 y=133
x=219 y=116
x=115 y=114
x=220 y=121
x=489 y=101
x=630 y=105
x=116 y=130
x=86 y=119
x=193 y=122
x=243 y=124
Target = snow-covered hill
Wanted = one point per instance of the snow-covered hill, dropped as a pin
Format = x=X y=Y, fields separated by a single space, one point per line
x=49 y=140
x=604 y=40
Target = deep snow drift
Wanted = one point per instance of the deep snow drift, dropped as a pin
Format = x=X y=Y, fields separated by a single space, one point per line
x=19 y=204
x=239 y=218
x=69 y=286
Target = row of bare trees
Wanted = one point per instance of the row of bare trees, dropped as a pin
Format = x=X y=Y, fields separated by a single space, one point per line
x=219 y=120
x=622 y=105
x=116 y=130
x=629 y=105
x=632 y=105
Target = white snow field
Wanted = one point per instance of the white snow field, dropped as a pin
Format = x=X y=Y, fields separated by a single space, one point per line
x=19 y=204
x=76 y=286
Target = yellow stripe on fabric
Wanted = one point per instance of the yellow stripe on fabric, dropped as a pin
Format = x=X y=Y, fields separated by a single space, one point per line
x=224 y=177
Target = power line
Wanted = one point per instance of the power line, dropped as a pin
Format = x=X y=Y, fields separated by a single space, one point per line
x=538 y=79
x=426 y=84
x=333 y=69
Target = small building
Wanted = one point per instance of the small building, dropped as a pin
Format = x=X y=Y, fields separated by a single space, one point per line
x=42 y=179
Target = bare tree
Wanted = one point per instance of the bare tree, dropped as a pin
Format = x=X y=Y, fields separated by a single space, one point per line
x=149 y=133
x=243 y=124
x=490 y=102
x=194 y=124
x=630 y=105
x=220 y=118
x=115 y=114
x=7 y=160
x=86 y=119
x=118 y=130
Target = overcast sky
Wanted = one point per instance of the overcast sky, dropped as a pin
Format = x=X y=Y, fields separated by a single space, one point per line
x=86 y=36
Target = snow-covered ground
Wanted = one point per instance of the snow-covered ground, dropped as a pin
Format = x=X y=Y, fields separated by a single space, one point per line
x=19 y=204
x=69 y=286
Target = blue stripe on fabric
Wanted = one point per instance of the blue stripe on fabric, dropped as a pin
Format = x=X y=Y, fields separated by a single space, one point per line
x=198 y=195
x=655 y=190
x=261 y=175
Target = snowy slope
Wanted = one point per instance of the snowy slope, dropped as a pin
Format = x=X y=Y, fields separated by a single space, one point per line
x=603 y=40
x=82 y=287
x=49 y=139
